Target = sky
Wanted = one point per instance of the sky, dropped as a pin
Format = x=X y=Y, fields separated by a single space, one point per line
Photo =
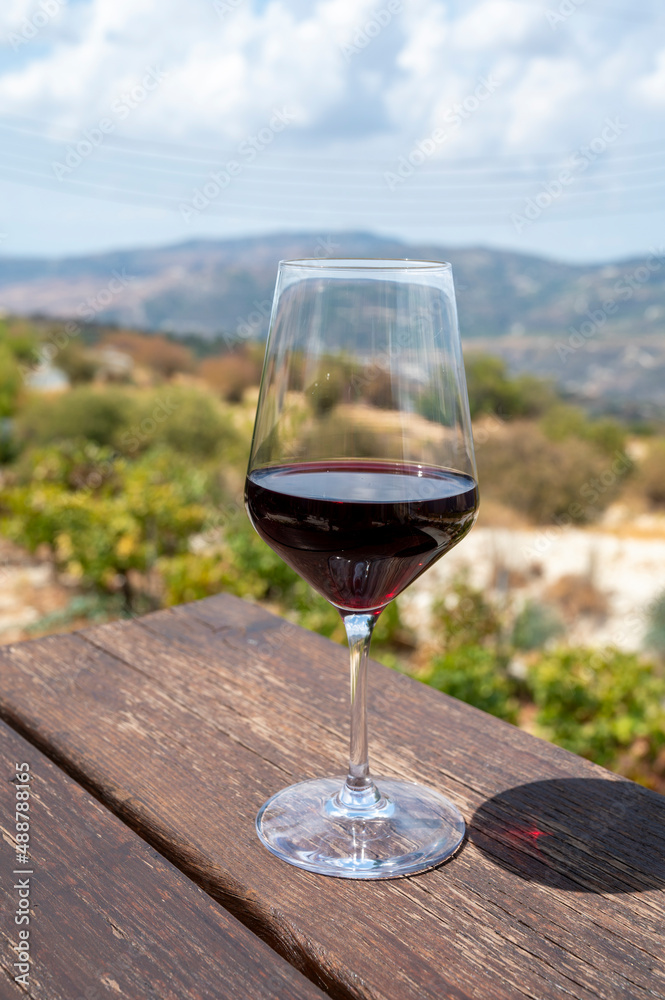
x=533 y=125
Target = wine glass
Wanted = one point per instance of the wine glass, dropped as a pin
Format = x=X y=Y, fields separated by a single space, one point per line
x=361 y=475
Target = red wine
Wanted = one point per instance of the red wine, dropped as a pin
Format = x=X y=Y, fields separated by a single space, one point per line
x=360 y=531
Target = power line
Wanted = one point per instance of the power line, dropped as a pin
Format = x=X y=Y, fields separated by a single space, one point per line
x=227 y=209
x=133 y=146
x=602 y=170
x=639 y=17
x=399 y=195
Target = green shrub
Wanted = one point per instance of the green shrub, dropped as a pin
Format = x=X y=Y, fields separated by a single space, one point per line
x=390 y=637
x=85 y=413
x=655 y=637
x=192 y=424
x=563 y=422
x=598 y=703
x=186 y=420
x=608 y=435
x=9 y=448
x=472 y=665
x=21 y=338
x=492 y=390
x=73 y=464
x=76 y=362
x=464 y=618
x=478 y=677
x=10 y=381
x=188 y=577
x=535 y=625
x=133 y=514
x=308 y=608
x=259 y=572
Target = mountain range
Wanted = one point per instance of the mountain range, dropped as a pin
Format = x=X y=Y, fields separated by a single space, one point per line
x=211 y=287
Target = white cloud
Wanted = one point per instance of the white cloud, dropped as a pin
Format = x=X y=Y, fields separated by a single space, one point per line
x=651 y=86
x=226 y=74
x=541 y=100
x=555 y=85
x=13 y=12
x=498 y=24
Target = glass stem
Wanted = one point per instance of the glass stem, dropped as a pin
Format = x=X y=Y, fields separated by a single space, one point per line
x=359 y=791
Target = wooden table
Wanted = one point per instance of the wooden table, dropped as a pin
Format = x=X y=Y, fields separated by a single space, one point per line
x=152 y=743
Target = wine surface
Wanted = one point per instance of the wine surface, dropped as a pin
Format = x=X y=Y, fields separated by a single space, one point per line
x=360 y=531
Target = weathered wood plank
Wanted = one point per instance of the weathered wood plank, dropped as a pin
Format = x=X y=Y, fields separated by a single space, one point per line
x=558 y=892
x=108 y=916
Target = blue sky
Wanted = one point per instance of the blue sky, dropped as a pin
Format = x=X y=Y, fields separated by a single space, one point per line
x=536 y=125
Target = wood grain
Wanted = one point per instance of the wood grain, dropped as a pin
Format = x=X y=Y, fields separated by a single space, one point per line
x=216 y=705
x=109 y=917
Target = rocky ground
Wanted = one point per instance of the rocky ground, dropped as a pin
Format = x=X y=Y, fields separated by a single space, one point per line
x=29 y=593
x=601 y=580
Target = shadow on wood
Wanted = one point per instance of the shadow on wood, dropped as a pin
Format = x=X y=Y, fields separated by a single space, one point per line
x=576 y=834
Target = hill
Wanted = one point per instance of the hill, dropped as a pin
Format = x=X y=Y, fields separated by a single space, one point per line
x=216 y=286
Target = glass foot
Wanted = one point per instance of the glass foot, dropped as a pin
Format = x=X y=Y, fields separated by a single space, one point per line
x=409 y=829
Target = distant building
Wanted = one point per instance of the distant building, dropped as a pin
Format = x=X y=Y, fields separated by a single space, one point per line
x=113 y=365
x=46 y=378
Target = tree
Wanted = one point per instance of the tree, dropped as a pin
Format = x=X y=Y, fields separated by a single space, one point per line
x=492 y=390
x=84 y=413
x=10 y=381
x=563 y=422
x=115 y=522
x=76 y=363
